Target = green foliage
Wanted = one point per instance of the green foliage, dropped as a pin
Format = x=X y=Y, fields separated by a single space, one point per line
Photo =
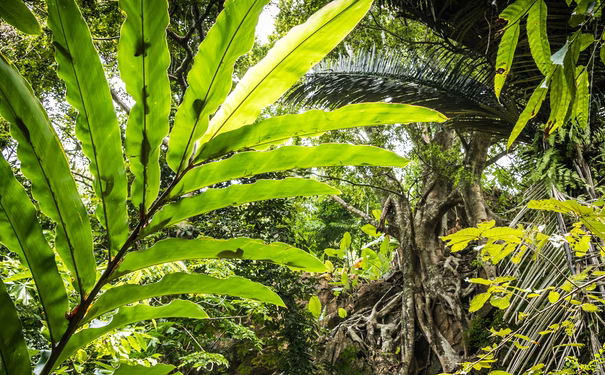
x=15 y=12
x=563 y=78
x=143 y=60
x=575 y=294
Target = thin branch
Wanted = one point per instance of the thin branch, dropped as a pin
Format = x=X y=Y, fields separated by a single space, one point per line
x=355 y=211
x=108 y=38
x=83 y=176
x=497 y=157
x=358 y=184
x=116 y=98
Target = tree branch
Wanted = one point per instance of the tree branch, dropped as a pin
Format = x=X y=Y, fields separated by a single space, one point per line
x=116 y=98
x=355 y=211
x=497 y=157
x=358 y=184
x=452 y=200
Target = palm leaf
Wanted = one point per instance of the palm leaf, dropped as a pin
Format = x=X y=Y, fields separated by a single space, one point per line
x=456 y=86
x=254 y=163
x=96 y=125
x=290 y=58
x=176 y=249
x=276 y=130
x=14 y=357
x=181 y=283
x=43 y=161
x=129 y=315
x=143 y=59
x=210 y=77
x=214 y=199
x=21 y=233
x=16 y=13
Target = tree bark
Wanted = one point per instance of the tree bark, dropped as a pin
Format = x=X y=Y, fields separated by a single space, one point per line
x=428 y=307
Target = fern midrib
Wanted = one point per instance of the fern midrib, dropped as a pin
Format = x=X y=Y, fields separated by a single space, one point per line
x=145 y=139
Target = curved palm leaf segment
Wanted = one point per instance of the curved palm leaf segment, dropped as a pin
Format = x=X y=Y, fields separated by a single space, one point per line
x=143 y=61
x=458 y=86
x=176 y=249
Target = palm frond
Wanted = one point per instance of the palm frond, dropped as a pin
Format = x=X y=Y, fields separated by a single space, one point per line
x=553 y=265
x=458 y=86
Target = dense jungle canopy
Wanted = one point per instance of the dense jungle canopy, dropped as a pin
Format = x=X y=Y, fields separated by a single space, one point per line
x=388 y=187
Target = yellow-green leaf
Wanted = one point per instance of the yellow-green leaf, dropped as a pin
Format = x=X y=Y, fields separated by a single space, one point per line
x=314 y=306
x=531 y=109
x=478 y=301
x=342 y=312
x=553 y=296
x=500 y=302
x=290 y=58
x=537 y=36
x=506 y=53
x=211 y=75
x=589 y=307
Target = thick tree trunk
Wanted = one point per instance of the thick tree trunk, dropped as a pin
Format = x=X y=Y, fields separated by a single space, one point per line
x=426 y=306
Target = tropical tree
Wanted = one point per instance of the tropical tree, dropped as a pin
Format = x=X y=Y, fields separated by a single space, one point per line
x=202 y=151
x=489 y=70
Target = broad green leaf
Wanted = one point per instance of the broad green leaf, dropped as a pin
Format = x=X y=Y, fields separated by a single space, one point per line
x=560 y=99
x=96 y=125
x=506 y=53
x=500 y=302
x=581 y=104
x=275 y=130
x=159 y=369
x=345 y=242
x=602 y=54
x=143 y=59
x=253 y=163
x=537 y=36
x=342 y=312
x=531 y=109
x=211 y=75
x=499 y=372
x=508 y=44
x=16 y=13
x=14 y=357
x=478 y=301
x=585 y=40
x=21 y=233
x=385 y=246
x=235 y=195
x=43 y=161
x=290 y=58
x=181 y=283
x=589 y=307
x=370 y=230
x=459 y=240
x=175 y=249
x=553 y=296
x=314 y=306
x=516 y=11
x=128 y=315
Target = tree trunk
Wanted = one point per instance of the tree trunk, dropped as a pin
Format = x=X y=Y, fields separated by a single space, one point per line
x=427 y=305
